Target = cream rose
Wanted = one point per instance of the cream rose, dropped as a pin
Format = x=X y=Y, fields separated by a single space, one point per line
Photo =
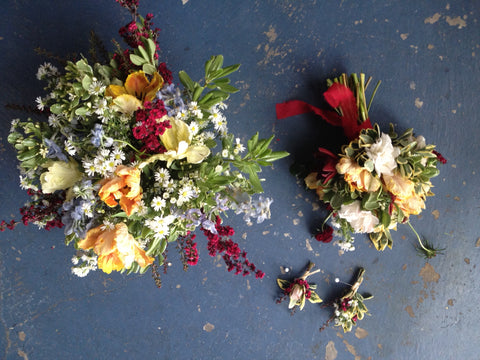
x=60 y=175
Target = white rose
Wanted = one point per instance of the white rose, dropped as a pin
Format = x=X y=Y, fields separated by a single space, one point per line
x=362 y=221
x=60 y=176
x=383 y=155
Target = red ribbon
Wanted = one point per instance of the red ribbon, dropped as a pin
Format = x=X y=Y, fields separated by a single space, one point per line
x=337 y=95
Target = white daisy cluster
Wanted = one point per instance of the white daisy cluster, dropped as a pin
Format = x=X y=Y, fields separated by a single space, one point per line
x=84 y=262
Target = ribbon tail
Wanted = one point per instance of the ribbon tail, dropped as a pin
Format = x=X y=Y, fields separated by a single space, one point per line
x=298 y=107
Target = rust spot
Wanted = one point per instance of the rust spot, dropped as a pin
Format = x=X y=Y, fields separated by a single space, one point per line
x=436 y=214
x=429 y=275
x=450 y=302
x=477 y=244
x=467 y=261
x=409 y=310
x=404 y=267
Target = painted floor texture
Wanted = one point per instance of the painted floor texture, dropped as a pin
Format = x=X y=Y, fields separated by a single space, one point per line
x=426 y=53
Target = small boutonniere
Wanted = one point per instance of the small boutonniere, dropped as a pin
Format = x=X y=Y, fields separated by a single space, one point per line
x=349 y=308
x=299 y=290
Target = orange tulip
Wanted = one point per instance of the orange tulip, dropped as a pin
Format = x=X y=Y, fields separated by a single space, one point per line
x=124 y=187
x=116 y=248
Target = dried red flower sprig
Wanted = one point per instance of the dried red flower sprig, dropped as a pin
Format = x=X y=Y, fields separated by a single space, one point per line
x=38 y=209
x=188 y=250
x=235 y=259
x=149 y=127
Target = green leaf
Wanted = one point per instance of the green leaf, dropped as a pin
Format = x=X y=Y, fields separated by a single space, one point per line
x=314 y=298
x=137 y=60
x=283 y=284
x=56 y=108
x=186 y=81
x=149 y=68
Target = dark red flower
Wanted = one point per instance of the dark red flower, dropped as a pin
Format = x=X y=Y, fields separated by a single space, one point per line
x=327 y=164
x=326 y=235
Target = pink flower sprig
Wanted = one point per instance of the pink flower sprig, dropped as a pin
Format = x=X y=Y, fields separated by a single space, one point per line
x=299 y=290
x=235 y=259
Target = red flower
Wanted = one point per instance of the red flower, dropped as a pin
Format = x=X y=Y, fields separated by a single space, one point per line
x=328 y=162
x=326 y=235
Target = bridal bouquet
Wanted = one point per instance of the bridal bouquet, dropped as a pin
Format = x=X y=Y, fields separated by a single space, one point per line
x=128 y=163
x=378 y=180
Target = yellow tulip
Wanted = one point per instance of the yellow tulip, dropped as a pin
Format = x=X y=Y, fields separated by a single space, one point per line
x=136 y=90
x=177 y=141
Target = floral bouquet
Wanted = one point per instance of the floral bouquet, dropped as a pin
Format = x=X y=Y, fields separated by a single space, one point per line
x=128 y=163
x=378 y=180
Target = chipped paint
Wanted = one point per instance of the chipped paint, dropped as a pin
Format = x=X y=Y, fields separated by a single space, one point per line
x=296 y=221
x=330 y=351
x=432 y=19
x=418 y=103
x=208 y=327
x=436 y=214
x=361 y=333
x=467 y=261
x=351 y=349
x=271 y=34
x=307 y=245
x=22 y=354
x=404 y=36
x=477 y=244
x=22 y=336
x=412 y=85
x=184 y=2
x=457 y=21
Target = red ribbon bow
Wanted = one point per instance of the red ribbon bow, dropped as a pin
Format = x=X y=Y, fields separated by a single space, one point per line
x=337 y=95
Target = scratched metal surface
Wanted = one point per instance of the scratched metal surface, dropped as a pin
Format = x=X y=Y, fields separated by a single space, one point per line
x=426 y=54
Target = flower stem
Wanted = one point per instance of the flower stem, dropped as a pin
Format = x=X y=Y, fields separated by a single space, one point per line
x=426 y=250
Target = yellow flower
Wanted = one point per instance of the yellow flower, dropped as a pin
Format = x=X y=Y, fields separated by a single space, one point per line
x=357 y=177
x=177 y=141
x=124 y=187
x=136 y=90
x=403 y=189
x=312 y=182
x=60 y=175
x=116 y=248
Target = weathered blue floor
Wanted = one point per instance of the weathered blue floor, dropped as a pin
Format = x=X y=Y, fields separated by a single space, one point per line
x=427 y=56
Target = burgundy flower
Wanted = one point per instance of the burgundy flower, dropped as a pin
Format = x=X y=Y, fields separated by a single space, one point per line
x=326 y=235
x=328 y=162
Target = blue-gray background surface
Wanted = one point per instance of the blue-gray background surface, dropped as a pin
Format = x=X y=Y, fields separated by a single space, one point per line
x=426 y=54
